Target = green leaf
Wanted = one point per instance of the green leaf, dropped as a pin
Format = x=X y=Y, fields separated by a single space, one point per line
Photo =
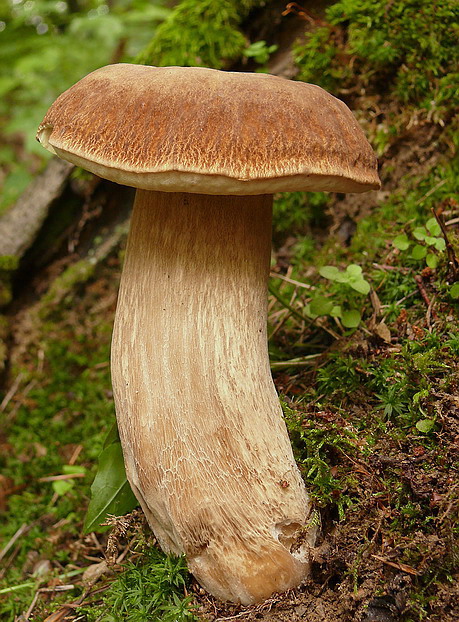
x=425 y=425
x=433 y=227
x=73 y=468
x=419 y=233
x=336 y=311
x=62 y=486
x=440 y=244
x=360 y=285
x=351 y=319
x=432 y=260
x=110 y=491
x=329 y=272
x=112 y=435
x=308 y=312
x=401 y=242
x=430 y=241
x=454 y=291
x=259 y=51
x=354 y=270
x=321 y=306
x=418 y=252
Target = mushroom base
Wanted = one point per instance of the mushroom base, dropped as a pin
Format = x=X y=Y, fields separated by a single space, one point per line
x=205 y=445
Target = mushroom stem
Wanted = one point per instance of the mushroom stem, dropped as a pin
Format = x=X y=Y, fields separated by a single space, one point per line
x=205 y=445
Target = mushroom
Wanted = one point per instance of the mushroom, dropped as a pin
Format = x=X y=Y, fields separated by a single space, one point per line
x=205 y=446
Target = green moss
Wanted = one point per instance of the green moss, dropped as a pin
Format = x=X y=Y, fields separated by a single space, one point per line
x=63 y=402
x=69 y=405
x=409 y=47
x=64 y=286
x=6 y=294
x=316 y=59
x=320 y=444
x=201 y=33
x=4 y=331
x=8 y=265
x=151 y=589
x=295 y=212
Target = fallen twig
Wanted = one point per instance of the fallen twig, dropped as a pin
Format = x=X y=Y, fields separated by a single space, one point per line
x=14 y=387
x=398 y=565
x=284 y=303
x=299 y=362
x=19 y=403
x=453 y=263
x=274 y=275
x=44 y=590
x=386 y=267
x=22 y=530
x=28 y=613
x=57 y=588
x=71 y=462
x=23 y=586
x=9 y=561
x=55 y=478
x=299 y=11
x=425 y=296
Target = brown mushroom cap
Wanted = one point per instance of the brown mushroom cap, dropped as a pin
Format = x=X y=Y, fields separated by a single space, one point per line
x=188 y=129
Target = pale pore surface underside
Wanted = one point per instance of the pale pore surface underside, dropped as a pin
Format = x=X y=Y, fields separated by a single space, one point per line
x=204 y=441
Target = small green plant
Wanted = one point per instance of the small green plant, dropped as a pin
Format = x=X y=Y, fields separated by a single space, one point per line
x=411 y=202
x=454 y=291
x=338 y=375
x=151 y=590
x=63 y=486
x=260 y=51
x=352 y=277
x=428 y=238
x=403 y=386
x=394 y=400
x=425 y=425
